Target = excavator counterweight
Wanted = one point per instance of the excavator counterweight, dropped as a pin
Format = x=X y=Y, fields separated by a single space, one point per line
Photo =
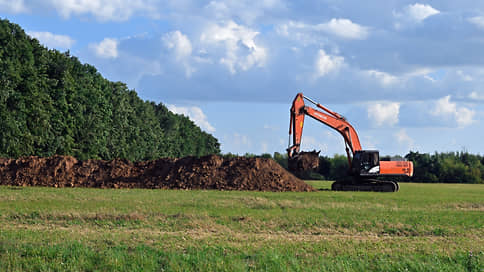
x=364 y=165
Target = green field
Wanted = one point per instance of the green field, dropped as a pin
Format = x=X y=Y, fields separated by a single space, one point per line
x=423 y=227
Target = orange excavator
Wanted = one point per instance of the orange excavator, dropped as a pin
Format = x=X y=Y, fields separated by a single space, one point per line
x=365 y=166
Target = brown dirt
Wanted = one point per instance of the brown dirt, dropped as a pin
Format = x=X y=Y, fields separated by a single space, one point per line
x=209 y=172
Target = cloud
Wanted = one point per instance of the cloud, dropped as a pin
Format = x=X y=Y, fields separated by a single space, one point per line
x=413 y=14
x=179 y=43
x=443 y=106
x=419 y=12
x=385 y=79
x=384 y=114
x=182 y=48
x=326 y=63
x=462 y=115
x=53 y=40
x=13 y=6
x=238 y=43
x=104 y=10
x=311 y=33
x=107 y=48
x=477 y=21
x=195 y=114
x=344 y=28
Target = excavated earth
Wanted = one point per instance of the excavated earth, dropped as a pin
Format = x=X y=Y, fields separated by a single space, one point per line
x=209 y=172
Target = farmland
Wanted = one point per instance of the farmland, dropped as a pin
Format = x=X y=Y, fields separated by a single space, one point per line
x=423 y=227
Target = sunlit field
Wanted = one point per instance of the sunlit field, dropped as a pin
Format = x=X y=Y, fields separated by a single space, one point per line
x=423 y=227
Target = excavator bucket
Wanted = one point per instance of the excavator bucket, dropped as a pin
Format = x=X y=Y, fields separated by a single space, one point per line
x=303 y=161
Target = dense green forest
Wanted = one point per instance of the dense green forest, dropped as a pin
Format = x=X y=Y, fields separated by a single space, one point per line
x=51 y=103
x=451 y=167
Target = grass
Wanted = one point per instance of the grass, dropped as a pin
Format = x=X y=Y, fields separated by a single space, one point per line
x=423 y=227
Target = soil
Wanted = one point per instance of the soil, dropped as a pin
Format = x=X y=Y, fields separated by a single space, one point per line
x=209 y=172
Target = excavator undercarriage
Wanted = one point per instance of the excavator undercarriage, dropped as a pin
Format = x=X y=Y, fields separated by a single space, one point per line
x=368 y=185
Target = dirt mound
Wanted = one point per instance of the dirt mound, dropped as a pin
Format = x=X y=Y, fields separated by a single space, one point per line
x=209 y=172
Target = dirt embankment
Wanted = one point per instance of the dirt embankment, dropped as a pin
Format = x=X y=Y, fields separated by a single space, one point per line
x=209 y=172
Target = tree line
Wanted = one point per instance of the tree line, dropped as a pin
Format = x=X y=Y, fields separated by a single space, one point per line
x=51 y=103
x=448 y=167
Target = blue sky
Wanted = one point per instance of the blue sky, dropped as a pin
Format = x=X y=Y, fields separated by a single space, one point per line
x=408 y=75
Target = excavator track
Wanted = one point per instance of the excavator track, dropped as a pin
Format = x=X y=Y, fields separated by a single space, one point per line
x=367 y=185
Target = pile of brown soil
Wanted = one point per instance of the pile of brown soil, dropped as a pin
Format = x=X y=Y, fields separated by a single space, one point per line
x=209 y=172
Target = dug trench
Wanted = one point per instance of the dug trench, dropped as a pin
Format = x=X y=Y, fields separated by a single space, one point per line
x=208 y=172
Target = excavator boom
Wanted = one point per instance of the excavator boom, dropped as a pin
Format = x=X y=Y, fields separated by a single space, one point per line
x=363 y=164
x=327 y=117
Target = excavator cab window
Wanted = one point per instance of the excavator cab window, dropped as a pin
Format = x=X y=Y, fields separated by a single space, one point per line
x=366 y=162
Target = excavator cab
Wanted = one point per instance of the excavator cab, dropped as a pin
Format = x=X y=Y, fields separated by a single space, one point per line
x=366 y=163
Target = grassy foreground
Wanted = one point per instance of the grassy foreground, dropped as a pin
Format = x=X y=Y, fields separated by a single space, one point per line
x=424 y=227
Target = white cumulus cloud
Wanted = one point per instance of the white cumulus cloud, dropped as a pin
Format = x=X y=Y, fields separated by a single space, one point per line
x=326 y=64
x=182 y=48
x=13 y=6
x=344 y=28
x=241 y=52
x=52 y=40
x=195 y=114
x=413 y=14
x=445 y=108
x=420 y=12
x=179 y=43
x=384 y=114
x=107 y=48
